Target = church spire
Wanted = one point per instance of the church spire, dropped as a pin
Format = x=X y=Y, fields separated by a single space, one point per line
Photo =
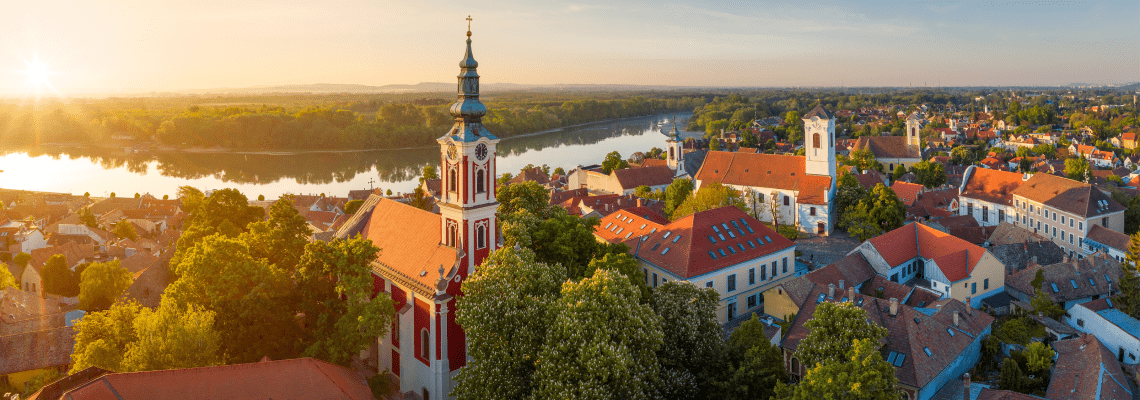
x=467 y=109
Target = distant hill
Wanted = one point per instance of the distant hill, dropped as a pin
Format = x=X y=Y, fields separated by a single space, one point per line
x=422 y=87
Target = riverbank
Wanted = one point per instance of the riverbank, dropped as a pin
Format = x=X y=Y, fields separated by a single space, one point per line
x=223 y=150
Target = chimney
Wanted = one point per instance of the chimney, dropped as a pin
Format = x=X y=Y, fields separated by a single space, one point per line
x=851 y=293
x=966 y=386
x=969 y=308
x=955 y=318
x=841 y=284
x=831 y=290
x=639 y=202
x=894 y=307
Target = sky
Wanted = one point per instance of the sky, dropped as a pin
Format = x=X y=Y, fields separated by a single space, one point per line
x=119 y=46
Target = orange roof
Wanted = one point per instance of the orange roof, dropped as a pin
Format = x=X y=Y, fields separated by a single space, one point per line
x=766 y=171
x=685 y=247
x=630 y=178
x=907 y=192
x=409 y=242
x=1067 y=195
x=300 y=378
x=955 y=257
x=991 y=185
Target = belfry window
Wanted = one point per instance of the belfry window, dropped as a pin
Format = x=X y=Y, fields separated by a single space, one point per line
x=480 y=187
x=480 y=237
x=452 y=177
x=815 y=140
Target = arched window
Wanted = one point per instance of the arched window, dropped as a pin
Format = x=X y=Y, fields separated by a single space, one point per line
x=452 y=232
x=480 y=187
x=912 y=131
x=670 y=153
x=452 y=177
x=815 y=140
x=424 y=344
x=480 y=237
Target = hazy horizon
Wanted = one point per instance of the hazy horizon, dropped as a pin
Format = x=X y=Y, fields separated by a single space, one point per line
x=132 y=46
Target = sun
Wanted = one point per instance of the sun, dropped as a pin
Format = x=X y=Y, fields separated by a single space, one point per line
x=37 y=74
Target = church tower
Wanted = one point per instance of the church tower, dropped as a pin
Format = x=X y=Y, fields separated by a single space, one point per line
x=913 y=125
x=819 y=142
x=676 y=157
x=467 y=165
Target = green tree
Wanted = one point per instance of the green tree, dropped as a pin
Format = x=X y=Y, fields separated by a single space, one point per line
x=527 y=195
x=692 y=340
x=863 y=374
x=1039 y=358
x=615 y=357
x=225 y=211
x=502 y=181
x=1011 y=377
x=246 y=293
x=334 y=283
x=862 y=160
x=101 y=284
x=428 y=173
x=1077 y=168
x=612 y=162
x=562 y=239
x=928 y=174
x=1043 y=304
x=172 y=338
x=352 y=206
x=389 y=192
x=899 y=172
x=755 y=368
x=624 y=264
x=103 y=337
x=833 y=330
x=505 y=314
x=58 y=278
x=848 y=193
x=887 y=210
x=88 y=218
x=22 y=259
x=421 y=200
x=559 y=171
x=962 y=155
x=281 y=239
x=676 y=193
x=712 y=196
x=6 y=279
x=112 y=195
x=260 y=197
x=125 y=229
x=1129 y=299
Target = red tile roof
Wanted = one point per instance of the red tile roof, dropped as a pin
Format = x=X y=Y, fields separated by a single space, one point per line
x=301 y=378
x=955 y=257
x=631 y=178
x=991 y=185
x=683 y=247
x=888 y=147
x=1067 y=195
x=1109 y=237
x=1086 y=369
x=409 y=242
x=907 y=192
x=765 y=171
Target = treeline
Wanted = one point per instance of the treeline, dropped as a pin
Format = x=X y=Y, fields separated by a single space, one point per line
x=408 y=123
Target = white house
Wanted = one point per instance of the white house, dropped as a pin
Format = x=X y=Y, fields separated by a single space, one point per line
x=1115 y=329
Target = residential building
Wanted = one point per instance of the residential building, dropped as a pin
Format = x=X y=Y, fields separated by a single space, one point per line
x=298 y=378
x=923 y=255
x=1117 y=331
x=928 y=347
x=800 y=188
x=1107 y=240
x=987 y=195
x=1064 y=211
x=724 y=249
x=1096 y=157
x=30 y=354
x=1085 y=369
x=1069 y=282
x=426 y=256
x=620 y=181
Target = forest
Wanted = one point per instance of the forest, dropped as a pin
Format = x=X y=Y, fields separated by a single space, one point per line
x=312 y=122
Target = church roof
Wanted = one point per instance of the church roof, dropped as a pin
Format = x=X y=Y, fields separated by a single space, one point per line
x=888 y=147
x=766 y=171
x=409 y=241
x=820 y=112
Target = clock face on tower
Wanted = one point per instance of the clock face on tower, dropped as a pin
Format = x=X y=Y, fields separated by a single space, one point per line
x=481 y=151
x=452 y=153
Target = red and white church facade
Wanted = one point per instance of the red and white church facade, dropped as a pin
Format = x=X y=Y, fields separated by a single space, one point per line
x=424 y=257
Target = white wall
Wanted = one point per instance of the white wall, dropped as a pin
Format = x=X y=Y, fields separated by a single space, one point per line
x=1111 y=335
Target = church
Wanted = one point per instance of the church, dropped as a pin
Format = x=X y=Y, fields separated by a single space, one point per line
x=796 y=190
x=424 y=257
x=893 y=151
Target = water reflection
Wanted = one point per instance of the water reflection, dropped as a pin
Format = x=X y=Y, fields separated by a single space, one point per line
x=396 y=169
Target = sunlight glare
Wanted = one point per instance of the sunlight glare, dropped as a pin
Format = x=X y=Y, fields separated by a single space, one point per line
x=37 y=75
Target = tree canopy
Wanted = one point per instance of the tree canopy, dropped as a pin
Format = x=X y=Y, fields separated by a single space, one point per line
x=861 y=373
x=613 y=162
x=711 y=196
x=833 y=330
x=101 y=284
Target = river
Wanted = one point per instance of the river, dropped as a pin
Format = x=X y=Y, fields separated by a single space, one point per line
x=77 y=170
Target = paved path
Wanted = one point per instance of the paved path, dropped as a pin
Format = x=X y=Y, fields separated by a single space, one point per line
x=824 y=250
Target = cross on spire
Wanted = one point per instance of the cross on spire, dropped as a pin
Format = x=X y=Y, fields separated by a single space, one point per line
x=468 y=26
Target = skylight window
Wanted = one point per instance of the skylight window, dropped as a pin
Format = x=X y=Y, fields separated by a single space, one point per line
x=676 y=238
x=665 y=251
x=655 y=247
x=724 y=225
x=950 y=331
x=750 y=229
x=609 y=225
x=768 y=239
x=820 y=298
x=628 y=234
x=750 y=245
x=666 y=236
x=731 y=249
x=712 y=239
x=713 y=255
x=1054 y=285
x=731 y=235
x=715 y=229
x=619 y=230
x=735 y=224
x=721 y=236
x=741 y=231
x=1074 y=282
x=744 y=222
x=741 y=245
x=721 y=251
x=1091 y=282
x=653 y=230
x=643 y=226
x=619 y=216
x=891 y=357
x=899 y=360
x=1108 y=279
x=927 y=351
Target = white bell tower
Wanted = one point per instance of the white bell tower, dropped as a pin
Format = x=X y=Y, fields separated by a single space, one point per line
x=913 y=125
x=819 y=142
x=675 y=157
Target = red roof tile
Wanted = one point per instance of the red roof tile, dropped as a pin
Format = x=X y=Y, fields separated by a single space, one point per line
x=630 y=178
x=1067 y=195
x=907 y=192
x=991 y=185
x=955 y=257
x=766 y=171
x=301 y=378
x=409 y=242
x=683 y=247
